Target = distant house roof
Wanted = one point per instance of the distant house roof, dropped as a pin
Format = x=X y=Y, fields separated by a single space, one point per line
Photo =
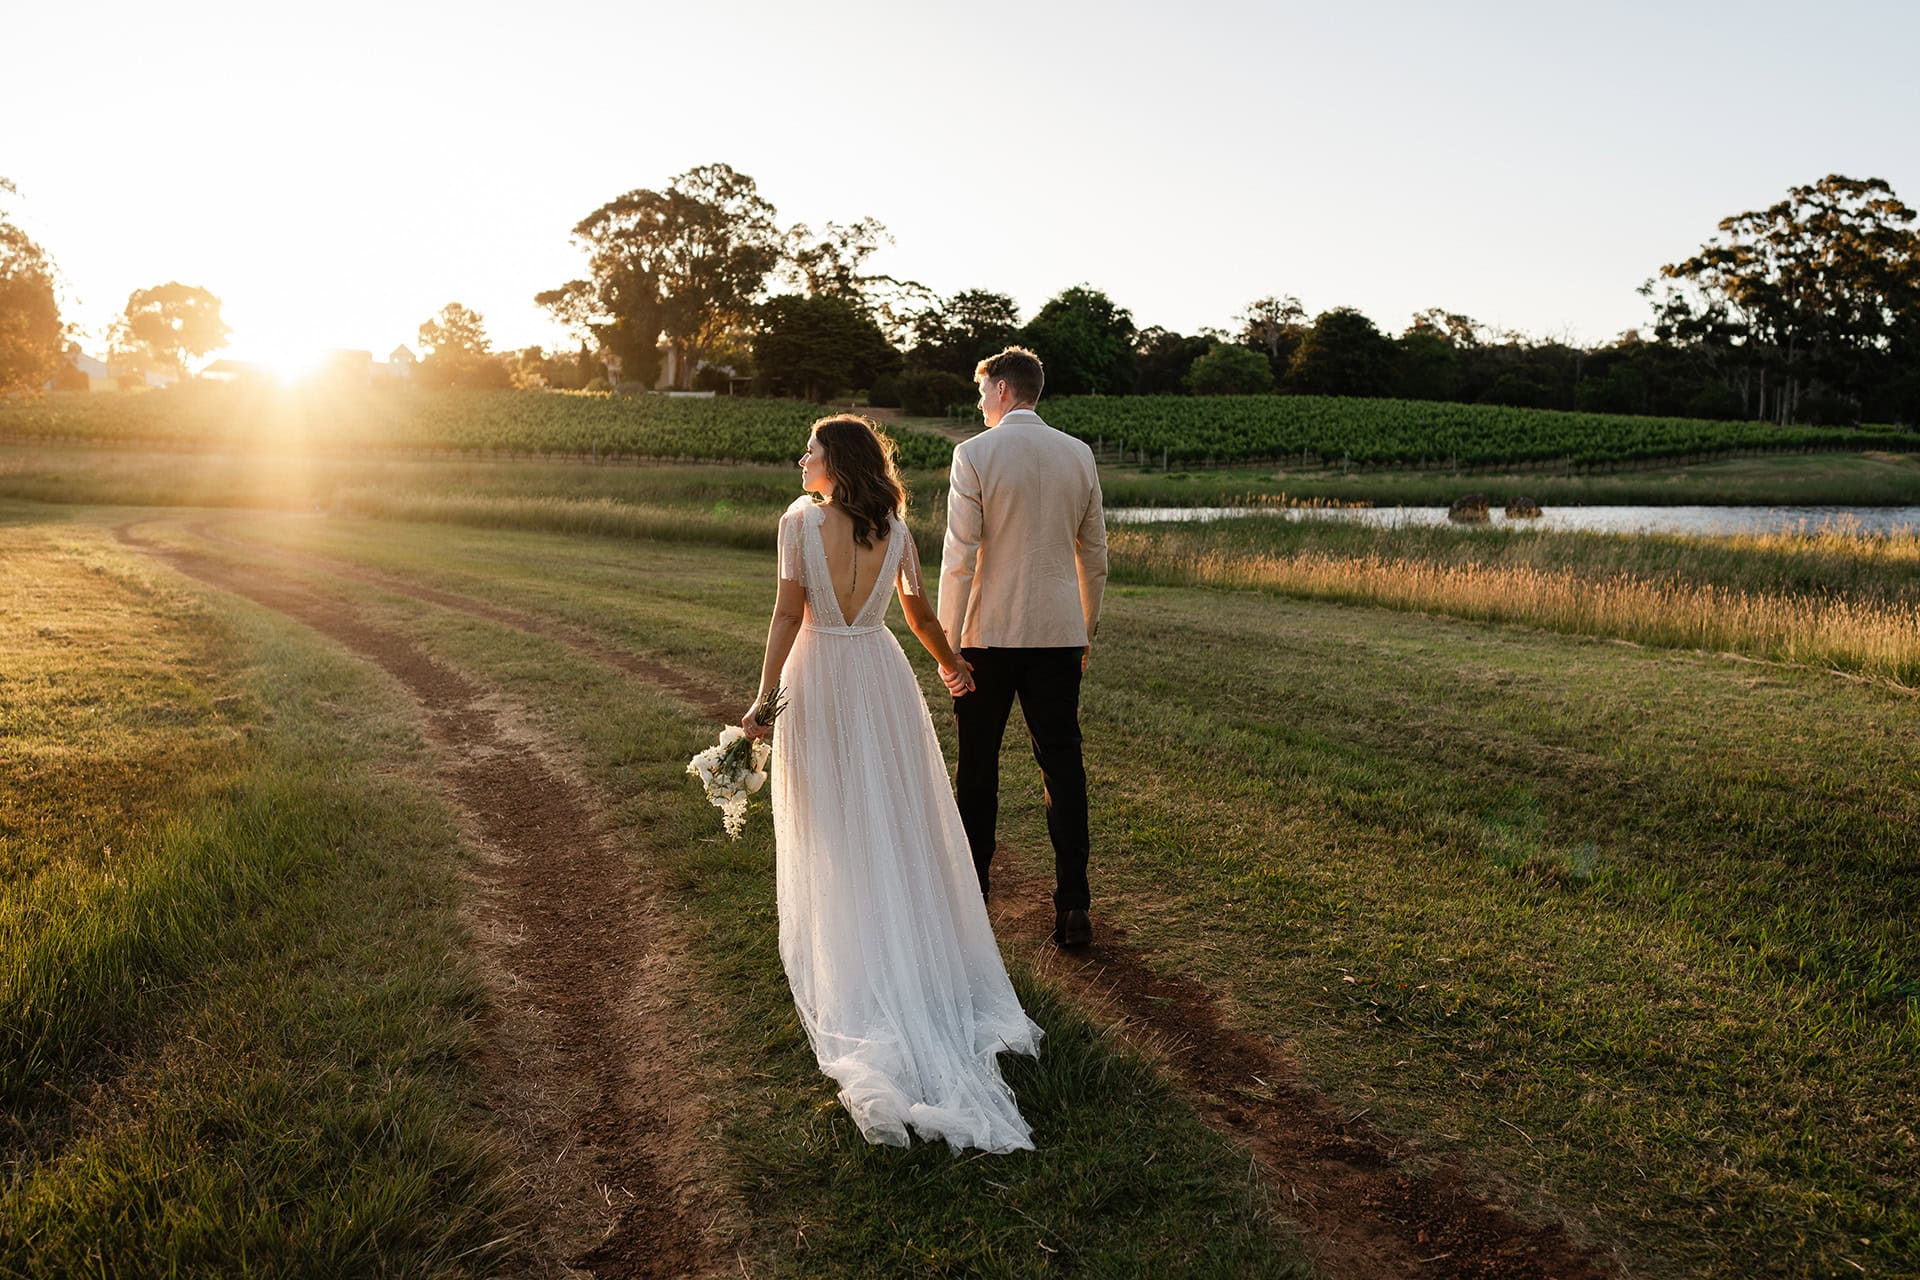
x=87 y=364
x=400 y=355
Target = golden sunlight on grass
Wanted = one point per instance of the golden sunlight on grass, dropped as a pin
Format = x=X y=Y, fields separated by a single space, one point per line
x=1869 y=637
x=1837 y=536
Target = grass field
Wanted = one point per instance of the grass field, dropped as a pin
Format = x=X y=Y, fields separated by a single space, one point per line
x=1831 y=601
x=1621 y=929
x=214 y=1067
x=1582 y=881
x=235 y=1028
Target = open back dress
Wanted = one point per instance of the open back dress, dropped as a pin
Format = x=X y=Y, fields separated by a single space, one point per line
x=883 y=932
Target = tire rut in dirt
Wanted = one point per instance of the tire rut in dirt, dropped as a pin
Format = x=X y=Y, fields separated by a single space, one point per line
x=565 y=892
x=1365 y=1210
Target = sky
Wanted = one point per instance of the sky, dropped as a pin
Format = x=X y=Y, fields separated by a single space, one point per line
x=337 y=173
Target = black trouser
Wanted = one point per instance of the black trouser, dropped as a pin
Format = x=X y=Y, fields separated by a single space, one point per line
x=1047 y=682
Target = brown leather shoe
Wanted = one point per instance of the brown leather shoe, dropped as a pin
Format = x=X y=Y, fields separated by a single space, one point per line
x=1072 y=929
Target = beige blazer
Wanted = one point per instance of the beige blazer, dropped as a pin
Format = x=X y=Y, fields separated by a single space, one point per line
x=1025 y=559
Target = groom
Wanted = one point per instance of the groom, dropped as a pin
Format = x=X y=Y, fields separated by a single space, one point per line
x=1020 y=581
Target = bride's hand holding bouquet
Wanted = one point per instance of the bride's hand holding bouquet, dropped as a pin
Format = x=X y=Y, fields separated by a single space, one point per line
x=758 y=722
x=734 y=768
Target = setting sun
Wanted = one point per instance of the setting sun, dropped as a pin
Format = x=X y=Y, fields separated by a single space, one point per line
x=296 y=364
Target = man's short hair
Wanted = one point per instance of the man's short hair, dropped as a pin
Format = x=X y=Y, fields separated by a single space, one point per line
x=1019 y=368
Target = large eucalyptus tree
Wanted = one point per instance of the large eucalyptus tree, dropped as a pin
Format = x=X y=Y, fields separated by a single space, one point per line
x=688 y=261
x=1813 y=299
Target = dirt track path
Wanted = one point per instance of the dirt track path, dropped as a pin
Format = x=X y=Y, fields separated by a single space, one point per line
x=1365 y=1209
x=566 y=931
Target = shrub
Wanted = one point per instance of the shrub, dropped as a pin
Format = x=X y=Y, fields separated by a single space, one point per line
x=886 y=392
x=712 y=378
x=1719 y=403
x=931 y=393
x=1230 y=370
x=1828 y=411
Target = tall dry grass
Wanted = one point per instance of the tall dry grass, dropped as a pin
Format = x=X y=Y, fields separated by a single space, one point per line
x=1873 y=637
x=1839 y=536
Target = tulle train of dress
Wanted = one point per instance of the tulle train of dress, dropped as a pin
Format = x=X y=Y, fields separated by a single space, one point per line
x=883 y=933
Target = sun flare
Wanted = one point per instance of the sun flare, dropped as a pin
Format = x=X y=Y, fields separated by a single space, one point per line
x=290 y=363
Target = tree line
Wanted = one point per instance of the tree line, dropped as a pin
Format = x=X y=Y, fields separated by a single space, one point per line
x=1805 y=311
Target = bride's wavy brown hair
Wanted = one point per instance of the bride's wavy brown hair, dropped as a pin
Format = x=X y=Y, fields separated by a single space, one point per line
x=861 y=462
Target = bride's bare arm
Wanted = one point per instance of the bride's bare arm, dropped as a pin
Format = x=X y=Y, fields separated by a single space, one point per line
x=789 y=610
x=925 y=624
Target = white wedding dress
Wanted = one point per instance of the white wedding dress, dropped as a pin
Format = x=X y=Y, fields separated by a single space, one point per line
x=883 y=931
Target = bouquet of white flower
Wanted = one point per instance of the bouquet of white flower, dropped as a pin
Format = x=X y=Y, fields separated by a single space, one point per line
x=736 y=767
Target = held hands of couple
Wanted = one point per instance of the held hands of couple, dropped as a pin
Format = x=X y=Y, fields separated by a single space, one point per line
x=958 y=678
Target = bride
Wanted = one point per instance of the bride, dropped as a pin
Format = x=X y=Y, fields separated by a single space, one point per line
x=883 y=931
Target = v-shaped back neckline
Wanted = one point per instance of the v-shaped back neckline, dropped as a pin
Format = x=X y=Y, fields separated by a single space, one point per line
x=819 y=522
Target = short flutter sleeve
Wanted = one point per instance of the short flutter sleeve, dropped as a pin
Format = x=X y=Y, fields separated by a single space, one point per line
x=792 y=526
x=910 y=584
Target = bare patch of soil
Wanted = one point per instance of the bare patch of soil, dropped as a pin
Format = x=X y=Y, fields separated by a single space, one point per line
x=1366 y=1207
x=580 y=1049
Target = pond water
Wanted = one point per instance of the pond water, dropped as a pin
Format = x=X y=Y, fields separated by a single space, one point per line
x=1702 y=521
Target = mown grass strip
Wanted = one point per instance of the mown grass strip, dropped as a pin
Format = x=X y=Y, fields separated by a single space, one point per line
x=720 y=524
